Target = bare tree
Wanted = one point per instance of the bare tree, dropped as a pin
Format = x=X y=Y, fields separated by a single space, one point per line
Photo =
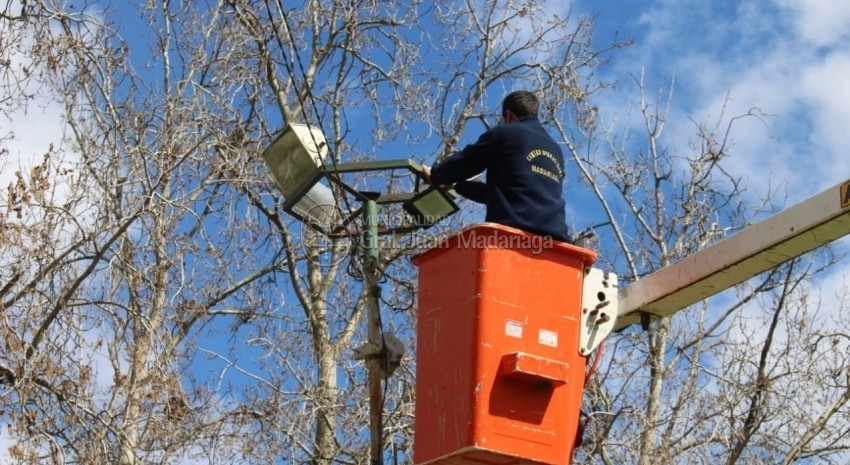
x=185 y=317
x=158 y=306
x=437 y=91
x=116 y=263
x=713 y=385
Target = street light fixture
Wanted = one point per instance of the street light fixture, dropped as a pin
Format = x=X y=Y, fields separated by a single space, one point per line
x=296 y=159
x=430 y=206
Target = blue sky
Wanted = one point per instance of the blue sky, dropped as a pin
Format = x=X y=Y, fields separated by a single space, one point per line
x=788 y=58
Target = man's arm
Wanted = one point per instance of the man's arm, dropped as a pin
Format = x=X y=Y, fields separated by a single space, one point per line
x=465 y=164
x=472 y=190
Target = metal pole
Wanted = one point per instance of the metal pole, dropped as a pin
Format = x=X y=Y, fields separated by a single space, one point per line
x=370 y=211
x=373 y=364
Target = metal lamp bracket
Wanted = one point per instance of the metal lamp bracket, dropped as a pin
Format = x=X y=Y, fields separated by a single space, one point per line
x=599 y=305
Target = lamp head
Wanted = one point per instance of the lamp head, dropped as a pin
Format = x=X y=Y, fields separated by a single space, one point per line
x=295 y=159
x=430 y=206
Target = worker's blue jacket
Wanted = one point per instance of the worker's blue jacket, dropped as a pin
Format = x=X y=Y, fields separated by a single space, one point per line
x=525 y=172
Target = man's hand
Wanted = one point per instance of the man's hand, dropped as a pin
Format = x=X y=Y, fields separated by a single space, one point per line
x=426 y=170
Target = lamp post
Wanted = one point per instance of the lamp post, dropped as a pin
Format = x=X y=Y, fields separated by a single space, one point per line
x=296 y=162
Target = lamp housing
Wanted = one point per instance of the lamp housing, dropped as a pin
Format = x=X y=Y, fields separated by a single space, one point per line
x=295 y=160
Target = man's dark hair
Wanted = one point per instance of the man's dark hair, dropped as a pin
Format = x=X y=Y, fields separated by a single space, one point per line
x=522 y=103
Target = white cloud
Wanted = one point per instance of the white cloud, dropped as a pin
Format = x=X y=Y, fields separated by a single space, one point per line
x=819 y=22
x=824 y=89
x=786 y=58
x=27 y=132
x=803 y=143
x=34 y=131
x=5 y=443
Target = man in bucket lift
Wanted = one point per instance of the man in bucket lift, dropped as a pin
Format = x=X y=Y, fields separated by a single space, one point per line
x=525 y=171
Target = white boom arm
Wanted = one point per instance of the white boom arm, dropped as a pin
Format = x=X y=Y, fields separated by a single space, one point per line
x=788 y=234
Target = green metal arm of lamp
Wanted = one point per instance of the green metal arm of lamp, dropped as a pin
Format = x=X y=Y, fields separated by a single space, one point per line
x=426 y=204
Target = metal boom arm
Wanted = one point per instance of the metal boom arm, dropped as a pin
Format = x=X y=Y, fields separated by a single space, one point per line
x=788 y=234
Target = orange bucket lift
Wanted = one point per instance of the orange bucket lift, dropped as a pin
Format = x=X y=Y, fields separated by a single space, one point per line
x=502 y=340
